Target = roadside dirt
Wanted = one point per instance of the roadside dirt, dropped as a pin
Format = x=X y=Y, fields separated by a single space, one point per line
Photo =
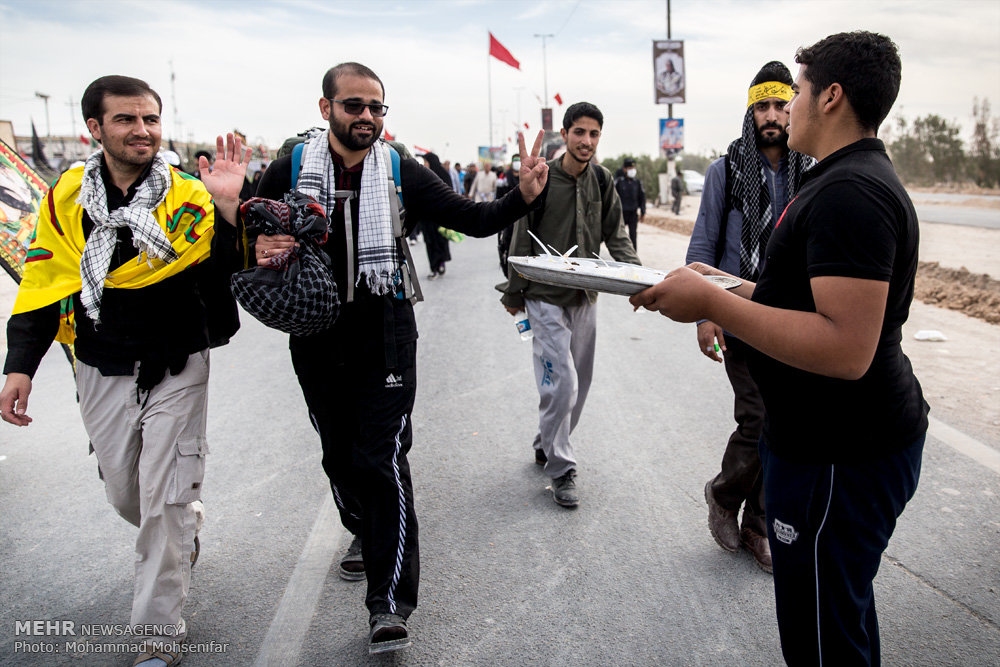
x=975 y=294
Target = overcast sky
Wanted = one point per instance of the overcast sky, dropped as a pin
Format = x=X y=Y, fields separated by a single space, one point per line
x=257 y=66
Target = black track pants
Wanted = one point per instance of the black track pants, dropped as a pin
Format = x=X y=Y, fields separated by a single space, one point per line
x=361 y=409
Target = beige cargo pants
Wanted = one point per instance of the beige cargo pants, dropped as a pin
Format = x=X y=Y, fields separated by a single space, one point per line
x=152 y=457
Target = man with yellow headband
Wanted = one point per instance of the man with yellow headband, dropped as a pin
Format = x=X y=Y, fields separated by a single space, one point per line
x=139 y=255
x=745 y=193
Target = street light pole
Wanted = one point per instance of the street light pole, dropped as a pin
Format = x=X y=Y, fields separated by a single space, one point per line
x=545 y=74
x=48 y=129
x=519 y=120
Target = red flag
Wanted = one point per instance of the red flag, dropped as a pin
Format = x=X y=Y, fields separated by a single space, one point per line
x=388 y=137
x=419 y=151
x=84 y=139
x=500 y=52
x=526 y=126
x=558 y=99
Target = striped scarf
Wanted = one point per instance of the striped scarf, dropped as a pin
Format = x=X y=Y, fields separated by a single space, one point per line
x=378 y=258
x=148 y=236
x=752 y=197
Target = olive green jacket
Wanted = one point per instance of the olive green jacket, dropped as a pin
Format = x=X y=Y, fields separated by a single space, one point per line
x=577 y=213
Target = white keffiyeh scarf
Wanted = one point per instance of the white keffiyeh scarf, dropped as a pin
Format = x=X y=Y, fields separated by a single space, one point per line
x=148 y=237
x=378 y=258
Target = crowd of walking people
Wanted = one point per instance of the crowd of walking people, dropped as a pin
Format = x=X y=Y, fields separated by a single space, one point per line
x=804 y=211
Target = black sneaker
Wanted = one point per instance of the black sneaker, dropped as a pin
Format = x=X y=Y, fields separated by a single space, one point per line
x=352 y=565
x=540 y=457
x=388 y=633
x=564 y=490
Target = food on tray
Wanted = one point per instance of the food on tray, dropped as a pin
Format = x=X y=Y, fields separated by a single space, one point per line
x=596 y=274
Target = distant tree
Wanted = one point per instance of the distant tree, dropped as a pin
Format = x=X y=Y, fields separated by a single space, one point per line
x=907 y=155
x=984 y=153
x=943 y=146
x=646 y=167
x=926 y=151
x=697 y=162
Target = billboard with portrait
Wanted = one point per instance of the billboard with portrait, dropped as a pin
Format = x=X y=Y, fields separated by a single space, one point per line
x=492 y=154
x=671 y=136
x=669 y=81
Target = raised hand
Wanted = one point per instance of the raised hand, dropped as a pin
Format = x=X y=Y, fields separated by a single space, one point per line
x=225 y=180
x=534 y=172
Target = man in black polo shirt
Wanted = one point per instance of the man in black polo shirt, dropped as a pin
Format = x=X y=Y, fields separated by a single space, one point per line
x=846 y=419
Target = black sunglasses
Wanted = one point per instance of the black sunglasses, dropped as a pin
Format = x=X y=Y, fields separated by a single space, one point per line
x=357 y=107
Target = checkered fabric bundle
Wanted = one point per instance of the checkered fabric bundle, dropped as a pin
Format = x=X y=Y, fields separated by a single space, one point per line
x=296 y=293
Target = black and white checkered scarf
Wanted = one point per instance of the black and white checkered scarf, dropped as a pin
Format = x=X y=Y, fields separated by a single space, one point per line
x=751 y=196
x=148 y=237
x=378 y=258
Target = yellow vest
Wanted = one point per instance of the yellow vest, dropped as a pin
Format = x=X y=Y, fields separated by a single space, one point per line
x=52 y=265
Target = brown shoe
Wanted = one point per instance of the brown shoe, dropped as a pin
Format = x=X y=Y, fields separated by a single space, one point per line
x=722 y=523
x=758 y=546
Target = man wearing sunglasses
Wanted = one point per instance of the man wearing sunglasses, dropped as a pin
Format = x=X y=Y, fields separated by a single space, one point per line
x=359 y=376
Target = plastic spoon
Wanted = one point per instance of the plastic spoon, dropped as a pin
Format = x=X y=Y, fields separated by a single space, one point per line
x=539 y=242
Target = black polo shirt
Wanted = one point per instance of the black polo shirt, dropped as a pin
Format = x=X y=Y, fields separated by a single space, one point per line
x=852 y=218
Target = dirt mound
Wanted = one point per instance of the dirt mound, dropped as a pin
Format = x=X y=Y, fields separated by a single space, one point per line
x=974 y=294
x=669 y=222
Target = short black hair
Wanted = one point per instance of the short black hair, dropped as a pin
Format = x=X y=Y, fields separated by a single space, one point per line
x=865 y=64
x=92 y=103
x=579 y=110
x=357 y=69
x=773 y=71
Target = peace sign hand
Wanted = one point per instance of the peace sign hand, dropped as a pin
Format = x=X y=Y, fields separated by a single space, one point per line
x=534 y=172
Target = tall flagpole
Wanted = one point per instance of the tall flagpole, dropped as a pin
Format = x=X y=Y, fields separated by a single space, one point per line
x=489 y=93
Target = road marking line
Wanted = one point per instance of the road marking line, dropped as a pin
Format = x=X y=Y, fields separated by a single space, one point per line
x=283 y=641
x=960 y=442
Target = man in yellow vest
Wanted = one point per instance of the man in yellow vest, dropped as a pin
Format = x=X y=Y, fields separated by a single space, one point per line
x=131 y=262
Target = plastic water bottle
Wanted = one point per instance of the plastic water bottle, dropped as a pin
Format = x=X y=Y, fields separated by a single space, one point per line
x=524 y=328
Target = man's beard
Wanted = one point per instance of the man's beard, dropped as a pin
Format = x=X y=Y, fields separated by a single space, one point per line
x=763 y=141
x=576 y=157
x=123 y=157
x=343 y=133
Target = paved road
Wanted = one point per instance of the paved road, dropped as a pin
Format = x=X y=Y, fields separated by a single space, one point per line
x=958 y=215
x=632 y=577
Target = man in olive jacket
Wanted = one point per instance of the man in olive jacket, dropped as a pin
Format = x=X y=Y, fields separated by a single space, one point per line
x=581 y=208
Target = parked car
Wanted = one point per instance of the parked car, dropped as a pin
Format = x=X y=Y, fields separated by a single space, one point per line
x=694 y=182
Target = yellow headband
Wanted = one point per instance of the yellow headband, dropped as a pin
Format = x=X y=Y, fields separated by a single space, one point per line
x=769 y=89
